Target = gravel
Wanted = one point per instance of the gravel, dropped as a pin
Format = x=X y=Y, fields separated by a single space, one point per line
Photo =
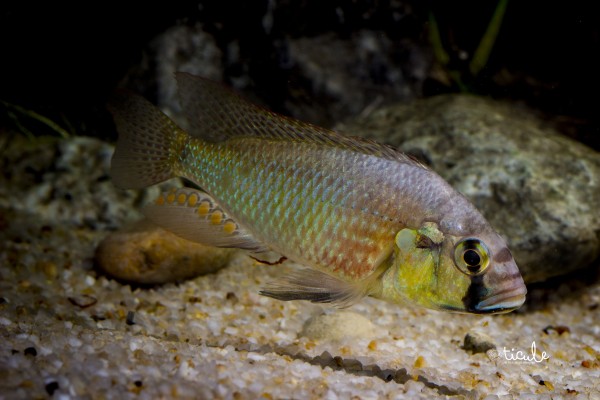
x=68 y=331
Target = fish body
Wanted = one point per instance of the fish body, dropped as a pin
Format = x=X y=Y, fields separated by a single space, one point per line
x=365 y=218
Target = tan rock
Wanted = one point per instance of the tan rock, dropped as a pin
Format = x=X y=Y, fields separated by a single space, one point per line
x=337 y=326
x=144 y=253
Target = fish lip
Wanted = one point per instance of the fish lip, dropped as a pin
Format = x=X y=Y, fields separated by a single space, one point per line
x=503 y=301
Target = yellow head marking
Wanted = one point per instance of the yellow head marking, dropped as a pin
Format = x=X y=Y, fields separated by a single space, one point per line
x=193 y=200
x=160 y=200
x=171 y=198
x=229 y=227
x=181 y=198
x=204 y=208
x=216 y=217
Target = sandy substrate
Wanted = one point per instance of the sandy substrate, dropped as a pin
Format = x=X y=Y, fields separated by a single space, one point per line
x=68 y=331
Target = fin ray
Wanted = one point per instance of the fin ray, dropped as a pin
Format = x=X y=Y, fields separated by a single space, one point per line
x=144 y=154
x=314 y=286
x=217 y=113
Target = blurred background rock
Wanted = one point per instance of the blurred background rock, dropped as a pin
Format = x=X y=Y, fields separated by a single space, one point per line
x=318 y=61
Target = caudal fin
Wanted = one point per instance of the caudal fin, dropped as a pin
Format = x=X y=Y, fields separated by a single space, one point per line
x=147 y=147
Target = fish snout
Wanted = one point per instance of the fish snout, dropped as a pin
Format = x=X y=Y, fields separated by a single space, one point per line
x=504 y=300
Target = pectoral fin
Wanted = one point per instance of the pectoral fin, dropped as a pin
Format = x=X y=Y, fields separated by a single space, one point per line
x=316 y=287
x=194 y=215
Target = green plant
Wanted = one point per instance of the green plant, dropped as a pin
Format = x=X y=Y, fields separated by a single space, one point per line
x=481 y=54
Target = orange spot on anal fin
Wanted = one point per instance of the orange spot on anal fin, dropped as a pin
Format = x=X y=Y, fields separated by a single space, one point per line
x=229 y=227
x=216 y=218
x=193 y=200
x=204 y=208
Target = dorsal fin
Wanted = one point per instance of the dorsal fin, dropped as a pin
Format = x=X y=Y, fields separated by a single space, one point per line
x=217 y=113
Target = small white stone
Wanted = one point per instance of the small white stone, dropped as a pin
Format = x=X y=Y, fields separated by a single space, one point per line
x=90 y=280
x=256 y=357
x=74 y=342
x=231 y=330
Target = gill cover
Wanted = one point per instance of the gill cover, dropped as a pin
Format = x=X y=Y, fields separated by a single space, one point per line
x=422 y=273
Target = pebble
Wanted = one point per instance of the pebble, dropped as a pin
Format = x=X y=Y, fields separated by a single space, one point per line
x=477 y=342
x=30 y=351
x=147 y=254
x=82 y=301
x=338 y=326
x=130 y=320
x=52 y=387
x=560 y=329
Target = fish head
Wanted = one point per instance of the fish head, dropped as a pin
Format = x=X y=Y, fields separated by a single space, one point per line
x=468 y=274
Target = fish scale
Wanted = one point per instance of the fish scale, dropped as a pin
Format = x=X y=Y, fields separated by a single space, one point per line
x=315 y=218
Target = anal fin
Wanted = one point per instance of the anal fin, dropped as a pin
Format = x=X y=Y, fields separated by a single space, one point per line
x=195 y=216
x=316 y=287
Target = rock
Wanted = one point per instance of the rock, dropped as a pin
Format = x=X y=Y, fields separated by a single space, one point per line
x=180 y=48
x=538 y=188
x=477 y=342
x=66 y=182
x=147 y=254
x=337 y=326
x=186 y=49
x=307 y=77
x=369 y=72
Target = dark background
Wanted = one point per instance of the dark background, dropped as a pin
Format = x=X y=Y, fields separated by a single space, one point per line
x=63 y=61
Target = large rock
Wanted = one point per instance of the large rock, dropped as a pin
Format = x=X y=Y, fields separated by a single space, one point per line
x=346 y=76
x=309 y=78
x=538 y=188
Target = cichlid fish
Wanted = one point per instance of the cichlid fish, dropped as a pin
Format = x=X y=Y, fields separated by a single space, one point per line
x=364 y=218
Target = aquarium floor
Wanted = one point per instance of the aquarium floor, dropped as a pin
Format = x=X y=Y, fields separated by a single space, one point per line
x=70 y=332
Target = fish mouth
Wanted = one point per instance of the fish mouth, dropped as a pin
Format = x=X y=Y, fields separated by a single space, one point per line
x=502 y=301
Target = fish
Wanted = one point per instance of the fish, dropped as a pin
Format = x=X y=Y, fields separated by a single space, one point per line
x=360 y=218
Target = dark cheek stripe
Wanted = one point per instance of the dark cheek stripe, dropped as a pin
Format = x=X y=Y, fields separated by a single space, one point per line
x=475 y=293
x=499 y=279
x=503 y=256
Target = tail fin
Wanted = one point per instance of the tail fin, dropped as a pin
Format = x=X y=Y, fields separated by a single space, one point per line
x=148 y=144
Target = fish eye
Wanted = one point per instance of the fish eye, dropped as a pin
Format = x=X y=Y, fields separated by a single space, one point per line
x=471 y=256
